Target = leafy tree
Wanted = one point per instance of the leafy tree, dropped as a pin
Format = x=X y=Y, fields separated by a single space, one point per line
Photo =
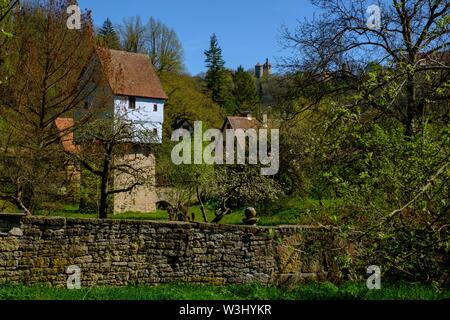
x=6 y=25
x=108 y=37
x=132 y=35
x=215 y=76
x=163 y=47
x=374 y=131
x=188 y=183
x=242 y=185
x=244 y=91
x=411 y=41
x=187 y=101
x=155 y=39
x=54 y=84
x=6 y=6
x=113 y=150
x=394 y=194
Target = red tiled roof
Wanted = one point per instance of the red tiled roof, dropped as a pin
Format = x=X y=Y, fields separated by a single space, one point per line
x=131 y=74
x=242 y=123
x=64 y=126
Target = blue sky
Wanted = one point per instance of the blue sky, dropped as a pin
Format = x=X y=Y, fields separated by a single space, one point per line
x=248 y=30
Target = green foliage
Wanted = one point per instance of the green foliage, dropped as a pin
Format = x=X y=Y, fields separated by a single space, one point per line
x=215 y=76
x=132 y=35
x=243 y=185
x=6 y=7
x=6 y=34
x=163 y=47
x=244 y=91
x=187 y=101
x=395 y=194
x=108 y=37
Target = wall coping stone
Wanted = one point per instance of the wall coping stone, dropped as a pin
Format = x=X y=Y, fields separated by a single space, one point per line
x=12 y=214
x=61 y=221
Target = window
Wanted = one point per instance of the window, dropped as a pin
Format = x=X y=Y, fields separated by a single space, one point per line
x=132 y=102
x=155 y=132
x=155 y=108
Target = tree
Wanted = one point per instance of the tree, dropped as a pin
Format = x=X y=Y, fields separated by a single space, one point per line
x=132 y=34
x=188 y=183
x=6 y=7
x=188 y=101
x=54 y=84
x=215 y=76
x=242 y=185
x=244 y=91
x=155 y=39
x=108 y=36
x=411 y=40
x=163 y=47
x=116 y=152
x=372 y=102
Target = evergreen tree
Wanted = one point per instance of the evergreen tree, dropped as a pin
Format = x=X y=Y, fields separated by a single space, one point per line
x=244 y=91
x=215 y=76
x=107 y=36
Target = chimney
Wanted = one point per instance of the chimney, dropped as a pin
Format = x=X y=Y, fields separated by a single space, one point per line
x=247 y=114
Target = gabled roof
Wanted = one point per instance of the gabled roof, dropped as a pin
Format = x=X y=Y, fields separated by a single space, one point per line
x=64 y=126
x=131 y=74
x=183 y=124
x=242 y=123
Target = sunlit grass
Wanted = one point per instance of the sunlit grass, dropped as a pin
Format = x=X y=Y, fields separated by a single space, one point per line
x=311 y=291
x=291 y=211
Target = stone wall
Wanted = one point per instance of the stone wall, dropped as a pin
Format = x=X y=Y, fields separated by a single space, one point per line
x=119 y=253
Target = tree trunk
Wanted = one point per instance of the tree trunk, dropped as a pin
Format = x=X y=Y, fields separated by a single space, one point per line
x=26 y=198
x=222 y=212
x=411 y=106
x=103 y=207
x=199 y=198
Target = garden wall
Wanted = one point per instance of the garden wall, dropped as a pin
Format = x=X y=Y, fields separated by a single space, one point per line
x=117 y=253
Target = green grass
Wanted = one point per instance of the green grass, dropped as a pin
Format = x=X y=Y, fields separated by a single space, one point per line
x=312 y=291
x=295 y=210
x=71 y=211
x=8 y=207
x=289 y=211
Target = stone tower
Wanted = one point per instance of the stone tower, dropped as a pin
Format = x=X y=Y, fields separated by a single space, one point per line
x=264 y=70
x=133 y=94
x=267 y=68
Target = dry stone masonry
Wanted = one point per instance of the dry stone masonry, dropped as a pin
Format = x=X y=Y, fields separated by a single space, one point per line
x=37 y=250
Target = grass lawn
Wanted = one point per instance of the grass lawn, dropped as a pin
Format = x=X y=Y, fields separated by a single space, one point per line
x=312 y=291
x=72 y=212
x=292 y=211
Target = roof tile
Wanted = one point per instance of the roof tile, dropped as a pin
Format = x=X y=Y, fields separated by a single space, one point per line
x=131 y=74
